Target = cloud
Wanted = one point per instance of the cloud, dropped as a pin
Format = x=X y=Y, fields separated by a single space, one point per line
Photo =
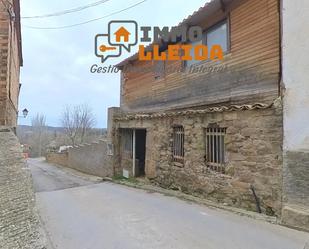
x=57 y=62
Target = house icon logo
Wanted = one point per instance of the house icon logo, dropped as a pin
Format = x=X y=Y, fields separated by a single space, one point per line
x=121 y=35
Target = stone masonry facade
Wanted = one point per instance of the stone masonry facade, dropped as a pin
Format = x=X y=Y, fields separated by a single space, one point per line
x=19 y=222
x=253 y=143
x=266 y=150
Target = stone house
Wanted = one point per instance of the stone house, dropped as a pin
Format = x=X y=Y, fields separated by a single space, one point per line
x=11 y=61
x=215 y=129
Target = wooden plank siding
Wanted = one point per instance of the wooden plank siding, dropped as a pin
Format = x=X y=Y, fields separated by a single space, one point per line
x=251 y=67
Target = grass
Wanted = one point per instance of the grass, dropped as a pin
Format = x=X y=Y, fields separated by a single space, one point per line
x=122 y=178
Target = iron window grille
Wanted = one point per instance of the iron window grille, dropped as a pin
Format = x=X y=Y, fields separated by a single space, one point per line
x=215 y=148
x=178 y=144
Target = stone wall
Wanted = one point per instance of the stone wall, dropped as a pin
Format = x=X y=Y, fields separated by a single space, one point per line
x=58 y=158
x=253 y=143
x=19 y=222
x=93 y=159
x=296 y=189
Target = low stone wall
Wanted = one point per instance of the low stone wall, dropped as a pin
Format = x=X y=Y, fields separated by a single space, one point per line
x=91 y=159
x=19 y=222
x=58 y=158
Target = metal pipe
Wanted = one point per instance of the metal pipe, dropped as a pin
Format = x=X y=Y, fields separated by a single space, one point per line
x=257 y=201
x=133 y=156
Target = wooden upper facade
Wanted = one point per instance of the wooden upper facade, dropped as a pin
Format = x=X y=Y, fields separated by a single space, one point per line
x=249 y=73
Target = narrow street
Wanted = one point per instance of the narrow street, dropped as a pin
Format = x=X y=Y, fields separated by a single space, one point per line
x=80 y=213
x=48 y=177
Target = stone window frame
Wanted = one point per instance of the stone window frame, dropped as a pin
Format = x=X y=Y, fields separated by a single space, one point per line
x=215 y=150
x=178 y=139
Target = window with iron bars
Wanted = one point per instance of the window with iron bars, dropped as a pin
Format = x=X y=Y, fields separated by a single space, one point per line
x=215 y=148
x=178 y=144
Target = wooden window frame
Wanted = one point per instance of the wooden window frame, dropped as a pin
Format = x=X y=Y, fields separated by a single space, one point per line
x=212 y=27
x=228 y=33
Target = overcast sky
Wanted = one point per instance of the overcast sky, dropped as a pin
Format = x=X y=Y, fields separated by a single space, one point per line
x=57 y=63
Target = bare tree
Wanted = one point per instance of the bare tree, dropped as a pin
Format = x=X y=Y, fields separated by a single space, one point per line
x=87 y=120
x=70 y=122
x=77 y=121
x=39 y=133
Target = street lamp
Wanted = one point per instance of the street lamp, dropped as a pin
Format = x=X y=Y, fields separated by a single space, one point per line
x=25 y=113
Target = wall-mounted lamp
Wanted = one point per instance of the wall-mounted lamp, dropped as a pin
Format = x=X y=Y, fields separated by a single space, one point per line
x=25 y=113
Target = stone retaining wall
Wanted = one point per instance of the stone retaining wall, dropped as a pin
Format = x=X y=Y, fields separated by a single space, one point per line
x=19 y=222
x=58 y=158
x=93 y=159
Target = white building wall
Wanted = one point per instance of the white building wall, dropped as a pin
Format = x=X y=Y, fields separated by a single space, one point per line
x=295 y=44
x=295 y=71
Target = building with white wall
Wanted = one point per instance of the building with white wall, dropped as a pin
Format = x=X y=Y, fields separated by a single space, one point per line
x=295 y=82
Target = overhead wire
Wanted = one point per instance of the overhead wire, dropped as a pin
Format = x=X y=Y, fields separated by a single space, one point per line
x=89 y=21
x=69 y=11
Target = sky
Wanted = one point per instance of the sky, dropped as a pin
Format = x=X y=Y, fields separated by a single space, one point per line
x=56 y=70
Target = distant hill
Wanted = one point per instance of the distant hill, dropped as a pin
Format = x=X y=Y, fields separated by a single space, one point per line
x=52 y=138
x=27 y=128
x=22 y=129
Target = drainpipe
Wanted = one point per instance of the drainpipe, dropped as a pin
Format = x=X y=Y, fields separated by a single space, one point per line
x=257 y=201
x=133 y=170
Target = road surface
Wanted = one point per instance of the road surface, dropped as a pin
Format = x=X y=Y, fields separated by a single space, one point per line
x=84 y=214
x=48 y=177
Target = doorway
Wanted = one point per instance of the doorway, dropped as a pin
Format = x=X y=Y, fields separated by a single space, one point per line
x=140 y=151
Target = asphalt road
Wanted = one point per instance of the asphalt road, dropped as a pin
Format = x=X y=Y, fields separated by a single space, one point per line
x=83 y=214
x=48 y=177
